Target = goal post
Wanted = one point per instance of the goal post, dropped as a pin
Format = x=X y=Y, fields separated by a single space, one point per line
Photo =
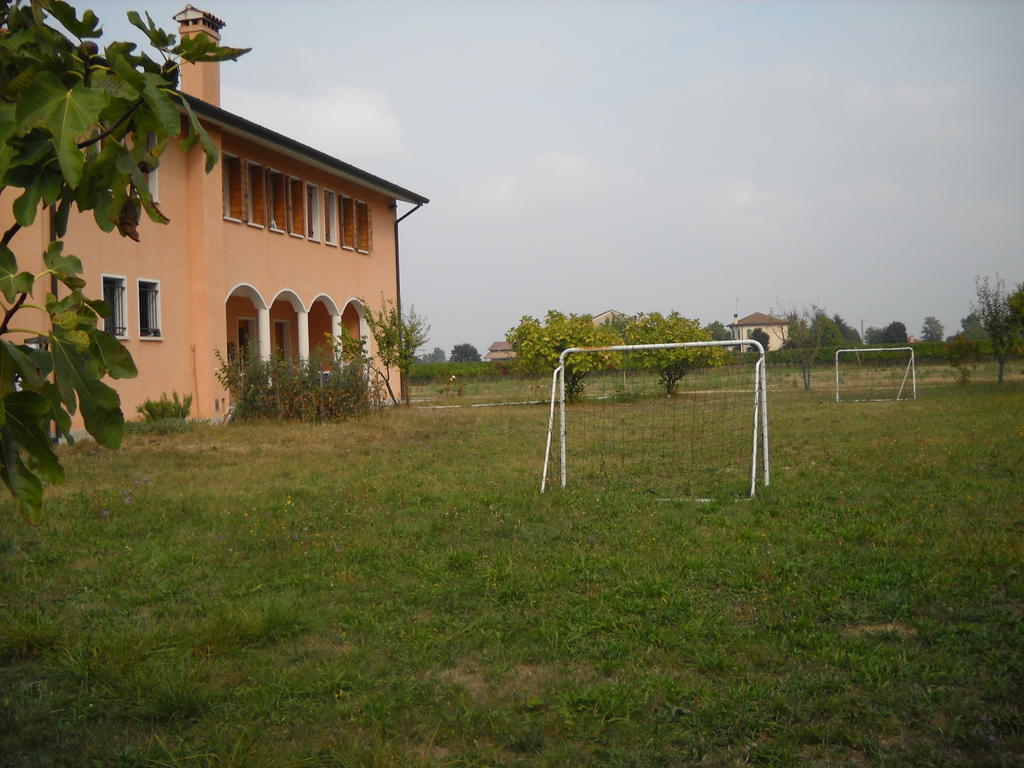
x=875 y=374
x=677 y=420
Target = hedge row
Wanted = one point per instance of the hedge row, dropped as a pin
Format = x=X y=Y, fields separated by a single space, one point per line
x=924 y=352
x=480 y=371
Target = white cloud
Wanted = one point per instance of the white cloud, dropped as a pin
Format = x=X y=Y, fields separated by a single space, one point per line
x=740 y=194
x=550 y=177
x=358 y=125
x=864 y=101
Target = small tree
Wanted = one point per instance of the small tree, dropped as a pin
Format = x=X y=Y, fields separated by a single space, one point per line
x=848 y=332
x=1016 y=300
x=894 y=333
x=718 y=331
x=437 y=356
x=961 y=355
x=760 y=335
x=999 y=319
x=538 y=346
x=671 y=364
x=77 y=129
x=464 y=353
x=805 y=334
x=971 y=327
x=398 y=335
x=827 y=331
x=932 y=329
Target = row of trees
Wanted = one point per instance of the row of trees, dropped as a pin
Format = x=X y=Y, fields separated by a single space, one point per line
x=539 y=344
x=461 y=353
x=997 y=314
x=1002 y=316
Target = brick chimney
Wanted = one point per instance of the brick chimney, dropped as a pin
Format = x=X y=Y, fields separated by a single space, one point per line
x=200 y=80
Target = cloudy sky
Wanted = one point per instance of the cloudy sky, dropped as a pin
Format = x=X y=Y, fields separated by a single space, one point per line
x=704 y=157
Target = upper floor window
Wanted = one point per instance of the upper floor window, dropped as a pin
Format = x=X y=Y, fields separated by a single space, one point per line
x=113 y=297
x=153 y=176
x=312 y=212
x=255 y=178
x=330 y=217
x=149 y=309
x=296 y=207
x=364 y=229
x=232 y=171
x=347 y=208
x=277 y=200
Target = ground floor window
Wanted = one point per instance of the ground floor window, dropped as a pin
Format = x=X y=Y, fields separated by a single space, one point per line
x=149 y=309
x=282 y=338
x=113 y=297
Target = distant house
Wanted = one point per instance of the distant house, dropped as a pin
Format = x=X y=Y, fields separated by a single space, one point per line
x=773 y=326
x=500 y=350
x=610 y=316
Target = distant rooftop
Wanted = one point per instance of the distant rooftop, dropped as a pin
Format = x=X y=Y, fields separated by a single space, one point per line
x=758 y=318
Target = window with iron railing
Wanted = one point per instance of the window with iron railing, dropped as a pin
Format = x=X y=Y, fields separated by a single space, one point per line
x=149 y=309
x=113 y=297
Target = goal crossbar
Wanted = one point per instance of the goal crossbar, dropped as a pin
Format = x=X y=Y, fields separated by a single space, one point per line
x=909 y=371
x=759 y=417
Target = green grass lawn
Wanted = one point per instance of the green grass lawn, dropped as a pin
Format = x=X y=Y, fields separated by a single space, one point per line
x=396 y=591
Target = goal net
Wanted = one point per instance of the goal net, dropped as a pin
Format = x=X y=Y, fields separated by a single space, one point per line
x=875 y=374
x=678 y=421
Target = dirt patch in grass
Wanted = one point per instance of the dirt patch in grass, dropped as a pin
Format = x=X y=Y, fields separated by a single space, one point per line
x=520 y=682
x=318 y=645
x=891 y=627
x=469 y=677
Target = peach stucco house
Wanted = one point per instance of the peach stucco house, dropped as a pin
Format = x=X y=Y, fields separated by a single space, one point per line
x=275 y=247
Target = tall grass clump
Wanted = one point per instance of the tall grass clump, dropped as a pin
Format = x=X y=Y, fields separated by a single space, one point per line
x=164 y=408
x=164 y=416
x=318 y=389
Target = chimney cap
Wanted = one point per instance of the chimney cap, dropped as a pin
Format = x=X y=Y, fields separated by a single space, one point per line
x=191 y=18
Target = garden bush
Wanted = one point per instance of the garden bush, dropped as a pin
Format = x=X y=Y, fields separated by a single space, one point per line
x=318 y=389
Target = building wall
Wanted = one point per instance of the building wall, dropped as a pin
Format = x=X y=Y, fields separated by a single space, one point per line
x=776 y=334
x=200 y=258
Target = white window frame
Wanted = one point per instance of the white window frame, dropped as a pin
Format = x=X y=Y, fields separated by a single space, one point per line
x=123 y=302
x=330 y=217
x=158 y=327
x=313 y=204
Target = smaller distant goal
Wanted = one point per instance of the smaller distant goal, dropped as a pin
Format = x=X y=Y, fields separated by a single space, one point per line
x=684 y=421
x=875 y=374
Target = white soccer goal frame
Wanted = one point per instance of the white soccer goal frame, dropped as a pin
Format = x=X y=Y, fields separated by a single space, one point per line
x=759 y=421
x=910 y=370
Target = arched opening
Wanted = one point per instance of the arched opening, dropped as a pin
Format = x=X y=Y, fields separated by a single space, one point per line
x=354 y=322
x=241 y=313
x=323 y=322
x=287 y=324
